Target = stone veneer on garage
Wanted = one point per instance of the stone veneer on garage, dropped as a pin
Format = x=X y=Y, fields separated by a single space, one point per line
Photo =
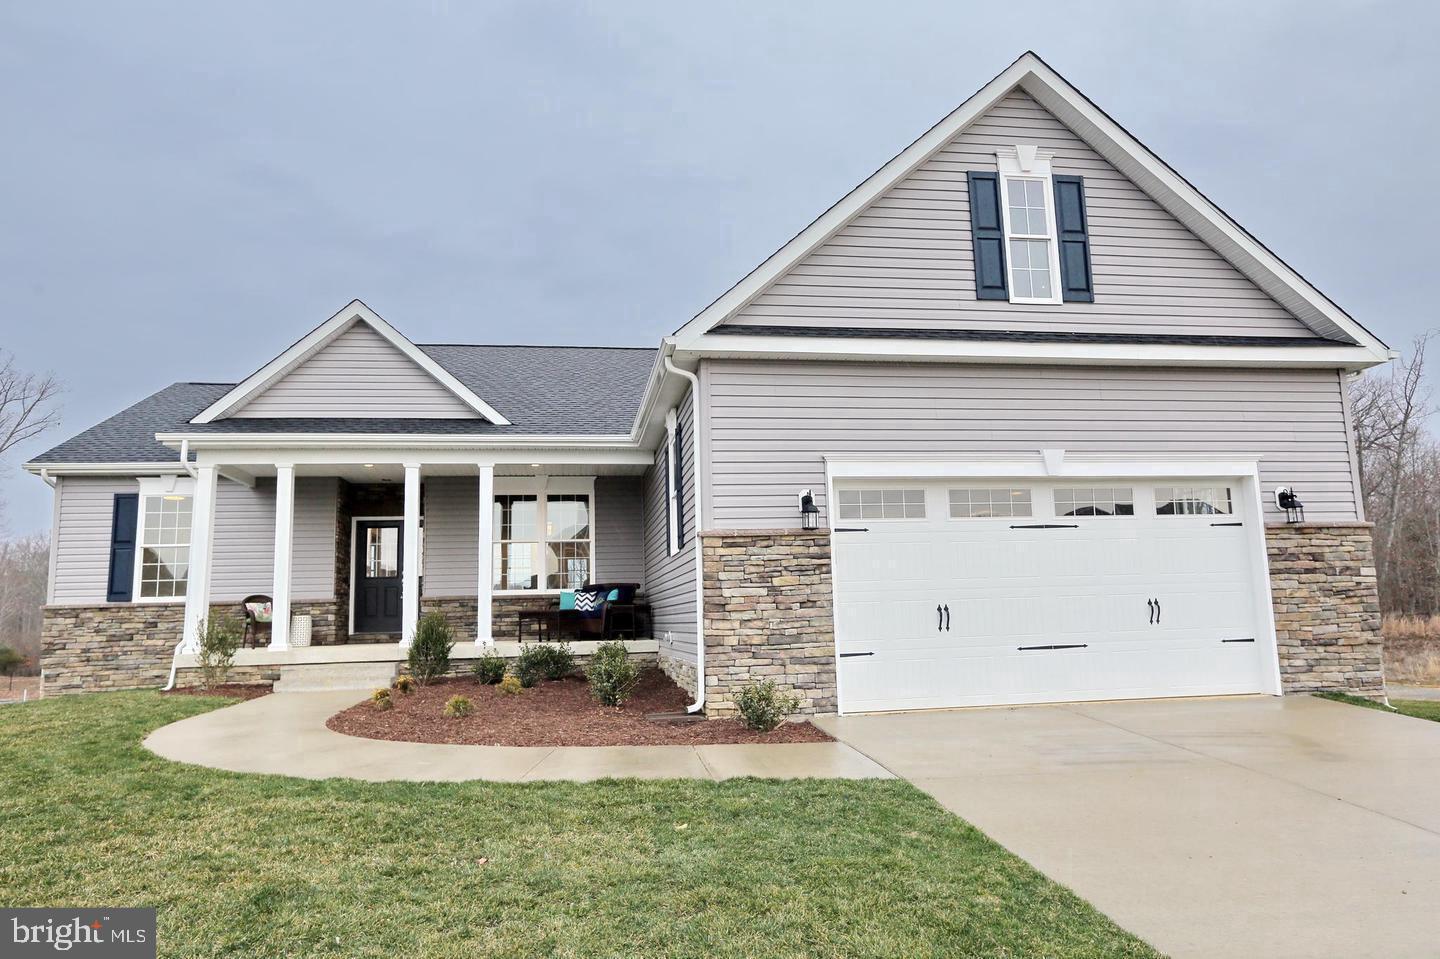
x=768 y=616
x=1327 y=610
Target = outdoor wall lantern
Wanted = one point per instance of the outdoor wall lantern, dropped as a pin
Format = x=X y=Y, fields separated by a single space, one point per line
x=809 y=512
x=1286 y=499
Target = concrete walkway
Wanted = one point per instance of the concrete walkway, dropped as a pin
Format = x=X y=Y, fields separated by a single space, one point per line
x=285 y=733
x=1255 y=826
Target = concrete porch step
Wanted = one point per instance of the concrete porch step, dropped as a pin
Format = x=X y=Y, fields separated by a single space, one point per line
x=323 y=677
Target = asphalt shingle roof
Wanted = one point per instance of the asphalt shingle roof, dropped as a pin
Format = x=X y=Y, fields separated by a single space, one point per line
x=542 y=390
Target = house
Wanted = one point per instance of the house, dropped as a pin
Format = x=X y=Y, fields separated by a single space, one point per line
x=1006 y=424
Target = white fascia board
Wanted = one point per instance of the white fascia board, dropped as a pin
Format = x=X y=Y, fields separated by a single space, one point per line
x=105 y=469
x=252 y=456
x=1107 y=137
x=1002 y=351
x=314 y=341
x=322 y=441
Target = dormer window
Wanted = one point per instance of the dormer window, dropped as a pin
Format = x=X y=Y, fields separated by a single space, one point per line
x=1030 y=246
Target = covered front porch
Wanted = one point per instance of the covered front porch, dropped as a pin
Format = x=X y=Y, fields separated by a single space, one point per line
x=353 y=545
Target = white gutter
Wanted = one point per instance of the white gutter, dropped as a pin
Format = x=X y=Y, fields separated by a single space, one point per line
x=185 y=465
x=699 y=471
x=49 y=480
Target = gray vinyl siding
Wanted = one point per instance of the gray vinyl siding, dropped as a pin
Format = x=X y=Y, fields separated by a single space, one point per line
x=452 y=533
x=82 y=536
x=244 y=552
x=358 y=374
x=771 y=423
x=906 y=261
x=670 y=580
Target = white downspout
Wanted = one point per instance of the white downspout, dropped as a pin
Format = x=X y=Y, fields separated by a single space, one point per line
x=699 y=702
x=185 y=458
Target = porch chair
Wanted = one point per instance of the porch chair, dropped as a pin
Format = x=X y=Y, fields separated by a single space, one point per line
x=257 y=611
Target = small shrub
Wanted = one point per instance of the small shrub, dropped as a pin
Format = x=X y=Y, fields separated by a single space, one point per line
x=219 y=639
x=763 y=707
x=556 y=660
x=403 y=684
x=489 y=669
x=531 y=665
x=381 y=700
x=458 y=706
x=430 y=651
x=510 y=685
x=611 y=674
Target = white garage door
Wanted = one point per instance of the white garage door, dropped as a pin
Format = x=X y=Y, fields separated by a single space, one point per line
x=961 y=593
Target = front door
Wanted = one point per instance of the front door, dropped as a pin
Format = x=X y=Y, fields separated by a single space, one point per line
x=378 y=575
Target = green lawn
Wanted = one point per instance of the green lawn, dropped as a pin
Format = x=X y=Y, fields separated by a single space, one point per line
x=1419 y=708
x=264 y=866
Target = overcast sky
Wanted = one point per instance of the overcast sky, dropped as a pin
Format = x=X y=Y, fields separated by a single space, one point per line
x=186 y=188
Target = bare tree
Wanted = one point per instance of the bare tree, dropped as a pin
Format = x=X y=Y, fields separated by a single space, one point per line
x=24 y=569
x=27 y=403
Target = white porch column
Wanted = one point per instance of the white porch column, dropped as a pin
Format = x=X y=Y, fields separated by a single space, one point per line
x=202 y=529
x=485 y=584
x=410 y=557
x=284 y=538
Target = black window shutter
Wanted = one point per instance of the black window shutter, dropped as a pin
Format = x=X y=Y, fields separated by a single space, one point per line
x=1076 y=285
x=679 y=489
x=123 y=527
x=987 y=236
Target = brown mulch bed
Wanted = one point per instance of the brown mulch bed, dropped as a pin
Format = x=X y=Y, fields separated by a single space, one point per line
x=559 y=713
x=233 y=690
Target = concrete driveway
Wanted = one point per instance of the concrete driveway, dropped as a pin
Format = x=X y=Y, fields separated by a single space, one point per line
x=1219 y=827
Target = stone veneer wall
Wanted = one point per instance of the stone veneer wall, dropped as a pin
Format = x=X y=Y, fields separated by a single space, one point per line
x=86 y=649
x=1327 y=610
x=681 y=671
x=768 y=615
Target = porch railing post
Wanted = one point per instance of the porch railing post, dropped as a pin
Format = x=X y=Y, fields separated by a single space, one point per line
x=485 y=583
x=284 y=538
x=410 y=561
x=197 y=585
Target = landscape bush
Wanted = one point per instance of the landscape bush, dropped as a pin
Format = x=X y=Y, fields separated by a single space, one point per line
x=381 y=700
x=403 y=684
x=557 y=660
x=763 y=706
x=531 y=665
x=457 y=707
x=489 y=669
x=510 y=685
x=219 y=639
x=430 y=652
x=611 y=674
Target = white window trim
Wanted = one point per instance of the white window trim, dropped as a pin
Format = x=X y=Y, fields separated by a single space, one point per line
x=1024 y=162
x=172 y=485
x=672 y=511
x=540 y=487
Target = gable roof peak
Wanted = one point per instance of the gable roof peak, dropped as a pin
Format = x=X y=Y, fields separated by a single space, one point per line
x=353 y=313
x=1036 y=78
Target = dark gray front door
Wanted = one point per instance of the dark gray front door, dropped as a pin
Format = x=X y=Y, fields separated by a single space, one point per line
x=378 y=575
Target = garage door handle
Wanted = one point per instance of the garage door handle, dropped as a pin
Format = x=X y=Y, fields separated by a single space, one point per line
x=849 y=655
x=1151 y=604
x=1045 y=526
x=1157 y=612
x=939 y=618
x=1070 y=646
x=947 y=617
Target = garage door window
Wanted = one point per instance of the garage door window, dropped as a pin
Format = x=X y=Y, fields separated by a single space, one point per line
x=882 y=504
x=984 y=503
x=1192 y=500
x=1094 y=501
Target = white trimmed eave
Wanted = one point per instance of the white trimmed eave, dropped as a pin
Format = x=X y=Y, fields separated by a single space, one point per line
x=1126 y=153
x=316 y=340
x=104 y=469
x=742 y=346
